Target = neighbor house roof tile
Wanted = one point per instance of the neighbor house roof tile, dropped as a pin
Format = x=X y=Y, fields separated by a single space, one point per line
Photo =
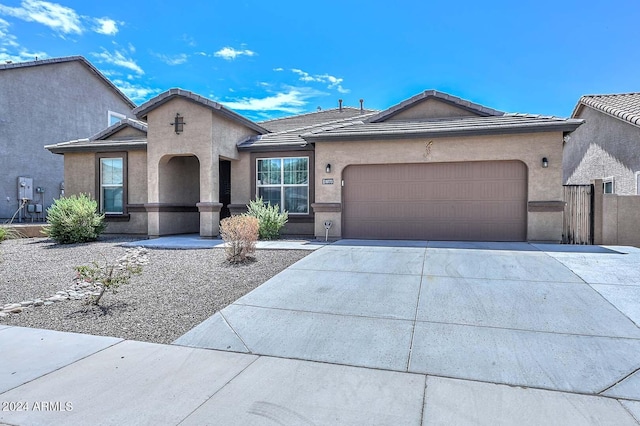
x=624 y=106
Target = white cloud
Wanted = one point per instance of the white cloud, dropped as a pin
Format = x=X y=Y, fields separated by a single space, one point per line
x=172 y=59
x=55 y=16
x=106 y=26
x=61 y=19
x=9 y=43
x=293 y=101
x=331 y=81
x=118 y=58
x=229 y=53
x=278 y=69
x=191 y=42
x=135 y=92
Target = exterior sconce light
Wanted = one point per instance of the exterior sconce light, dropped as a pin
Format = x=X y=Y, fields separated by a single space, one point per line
x=328 y=168
x=545 y=162
x=178 y=124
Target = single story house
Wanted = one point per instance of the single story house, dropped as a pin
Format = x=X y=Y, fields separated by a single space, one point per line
x=607 y=146
x=434 y=167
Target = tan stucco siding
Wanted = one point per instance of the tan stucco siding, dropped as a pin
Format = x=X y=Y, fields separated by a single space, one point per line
x=128 y=132
x=137 y=177
x=544 y=184
x=431 y=108
x=241 y=179
x=80 y=173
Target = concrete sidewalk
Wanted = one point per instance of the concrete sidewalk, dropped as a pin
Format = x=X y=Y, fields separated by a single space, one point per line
x=49 y=377
x=367 y=332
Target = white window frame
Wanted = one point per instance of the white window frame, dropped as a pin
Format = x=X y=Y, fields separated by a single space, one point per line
x=637 y=176
x=612 y=181
x=282 y=185
x=102 y=185
x=114 y=114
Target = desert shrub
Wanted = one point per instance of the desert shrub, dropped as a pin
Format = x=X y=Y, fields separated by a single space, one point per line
x=111 y=275
x=74 y=219
x=9 y=234
x=240 y=234
x=270 y=218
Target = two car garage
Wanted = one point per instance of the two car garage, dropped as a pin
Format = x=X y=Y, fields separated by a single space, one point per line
x=465 y=201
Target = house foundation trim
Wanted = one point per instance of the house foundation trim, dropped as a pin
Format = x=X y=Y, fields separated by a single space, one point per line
x=169 y=207
x=545 y=206
x=209 y=207
x=326 y=207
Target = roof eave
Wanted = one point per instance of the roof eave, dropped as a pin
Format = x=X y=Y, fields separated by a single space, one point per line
x=276 y=147
x=88 y=147
x=562 y=127
x=143 y=110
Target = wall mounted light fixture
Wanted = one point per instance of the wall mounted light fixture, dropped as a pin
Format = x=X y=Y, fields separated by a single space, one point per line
x=178 y=123
x=328 y=168
x=545 y=162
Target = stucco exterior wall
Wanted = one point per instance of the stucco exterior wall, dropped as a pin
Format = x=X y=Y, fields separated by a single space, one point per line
x=207 y=136
x=80 y=177
x=620 y=220
x=602 y=147
x=544 y=184
x=431 y=108
x=34 y=112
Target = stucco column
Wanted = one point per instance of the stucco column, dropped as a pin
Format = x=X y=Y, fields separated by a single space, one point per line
x=209 y=219
x=597 y=211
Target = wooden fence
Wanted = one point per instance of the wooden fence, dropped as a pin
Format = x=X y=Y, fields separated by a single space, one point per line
x=577 y=225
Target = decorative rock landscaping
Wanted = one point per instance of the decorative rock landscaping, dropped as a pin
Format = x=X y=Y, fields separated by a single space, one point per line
x=78 y=291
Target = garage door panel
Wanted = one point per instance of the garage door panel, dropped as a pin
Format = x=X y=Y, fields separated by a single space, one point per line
x=440 y=201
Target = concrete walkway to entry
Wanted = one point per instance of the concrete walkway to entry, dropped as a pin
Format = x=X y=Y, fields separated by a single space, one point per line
x=194 y=241
x=367 y=332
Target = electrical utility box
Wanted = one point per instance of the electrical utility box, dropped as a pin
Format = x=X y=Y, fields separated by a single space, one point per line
x=25 y=188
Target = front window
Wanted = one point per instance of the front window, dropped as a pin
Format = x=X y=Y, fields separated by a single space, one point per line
x=285 y=182
x=608 y=186
x=111 y=185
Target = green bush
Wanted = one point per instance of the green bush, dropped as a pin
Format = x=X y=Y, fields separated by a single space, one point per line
x=270 y=218
x=74 y=219
x=240 y=234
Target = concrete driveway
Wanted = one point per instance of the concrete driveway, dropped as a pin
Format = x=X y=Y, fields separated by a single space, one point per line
x=366 y=332
x=544 y=316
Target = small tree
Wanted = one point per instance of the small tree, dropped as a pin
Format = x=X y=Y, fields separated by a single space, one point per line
x=240 y=234
x=74 y=219
x=110 y=276
x=271 y=220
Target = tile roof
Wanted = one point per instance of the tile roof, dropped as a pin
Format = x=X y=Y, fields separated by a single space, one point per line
x=84 y=145
x=420 y=97
x=114 y=128
x=81 y=60
x=507 y=123
x=624 y=106
x=162 y=98
x=290 y=138
x=313 y=118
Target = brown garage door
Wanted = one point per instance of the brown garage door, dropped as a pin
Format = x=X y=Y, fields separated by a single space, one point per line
x=472 y=201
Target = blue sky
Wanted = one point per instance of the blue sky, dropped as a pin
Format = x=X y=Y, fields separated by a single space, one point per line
x=268 y=59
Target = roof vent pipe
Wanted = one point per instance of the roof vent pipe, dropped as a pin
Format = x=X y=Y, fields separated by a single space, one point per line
x=361 y=105
x=340 y=104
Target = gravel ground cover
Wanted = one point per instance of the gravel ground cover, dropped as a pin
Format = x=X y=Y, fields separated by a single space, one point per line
x=176 y=291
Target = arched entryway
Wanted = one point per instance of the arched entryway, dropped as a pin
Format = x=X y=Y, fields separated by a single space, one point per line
x=178 y=194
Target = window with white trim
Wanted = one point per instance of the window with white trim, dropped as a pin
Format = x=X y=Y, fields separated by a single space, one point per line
x=285 y=182
x=608 y=185
x=114 y=117
x=111 y=185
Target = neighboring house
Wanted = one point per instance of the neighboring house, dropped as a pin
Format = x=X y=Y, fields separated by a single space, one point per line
x=44 y=102
x=432 y=167
x=607 y=146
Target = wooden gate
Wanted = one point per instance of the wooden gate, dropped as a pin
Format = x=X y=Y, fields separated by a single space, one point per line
x=577 y=225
